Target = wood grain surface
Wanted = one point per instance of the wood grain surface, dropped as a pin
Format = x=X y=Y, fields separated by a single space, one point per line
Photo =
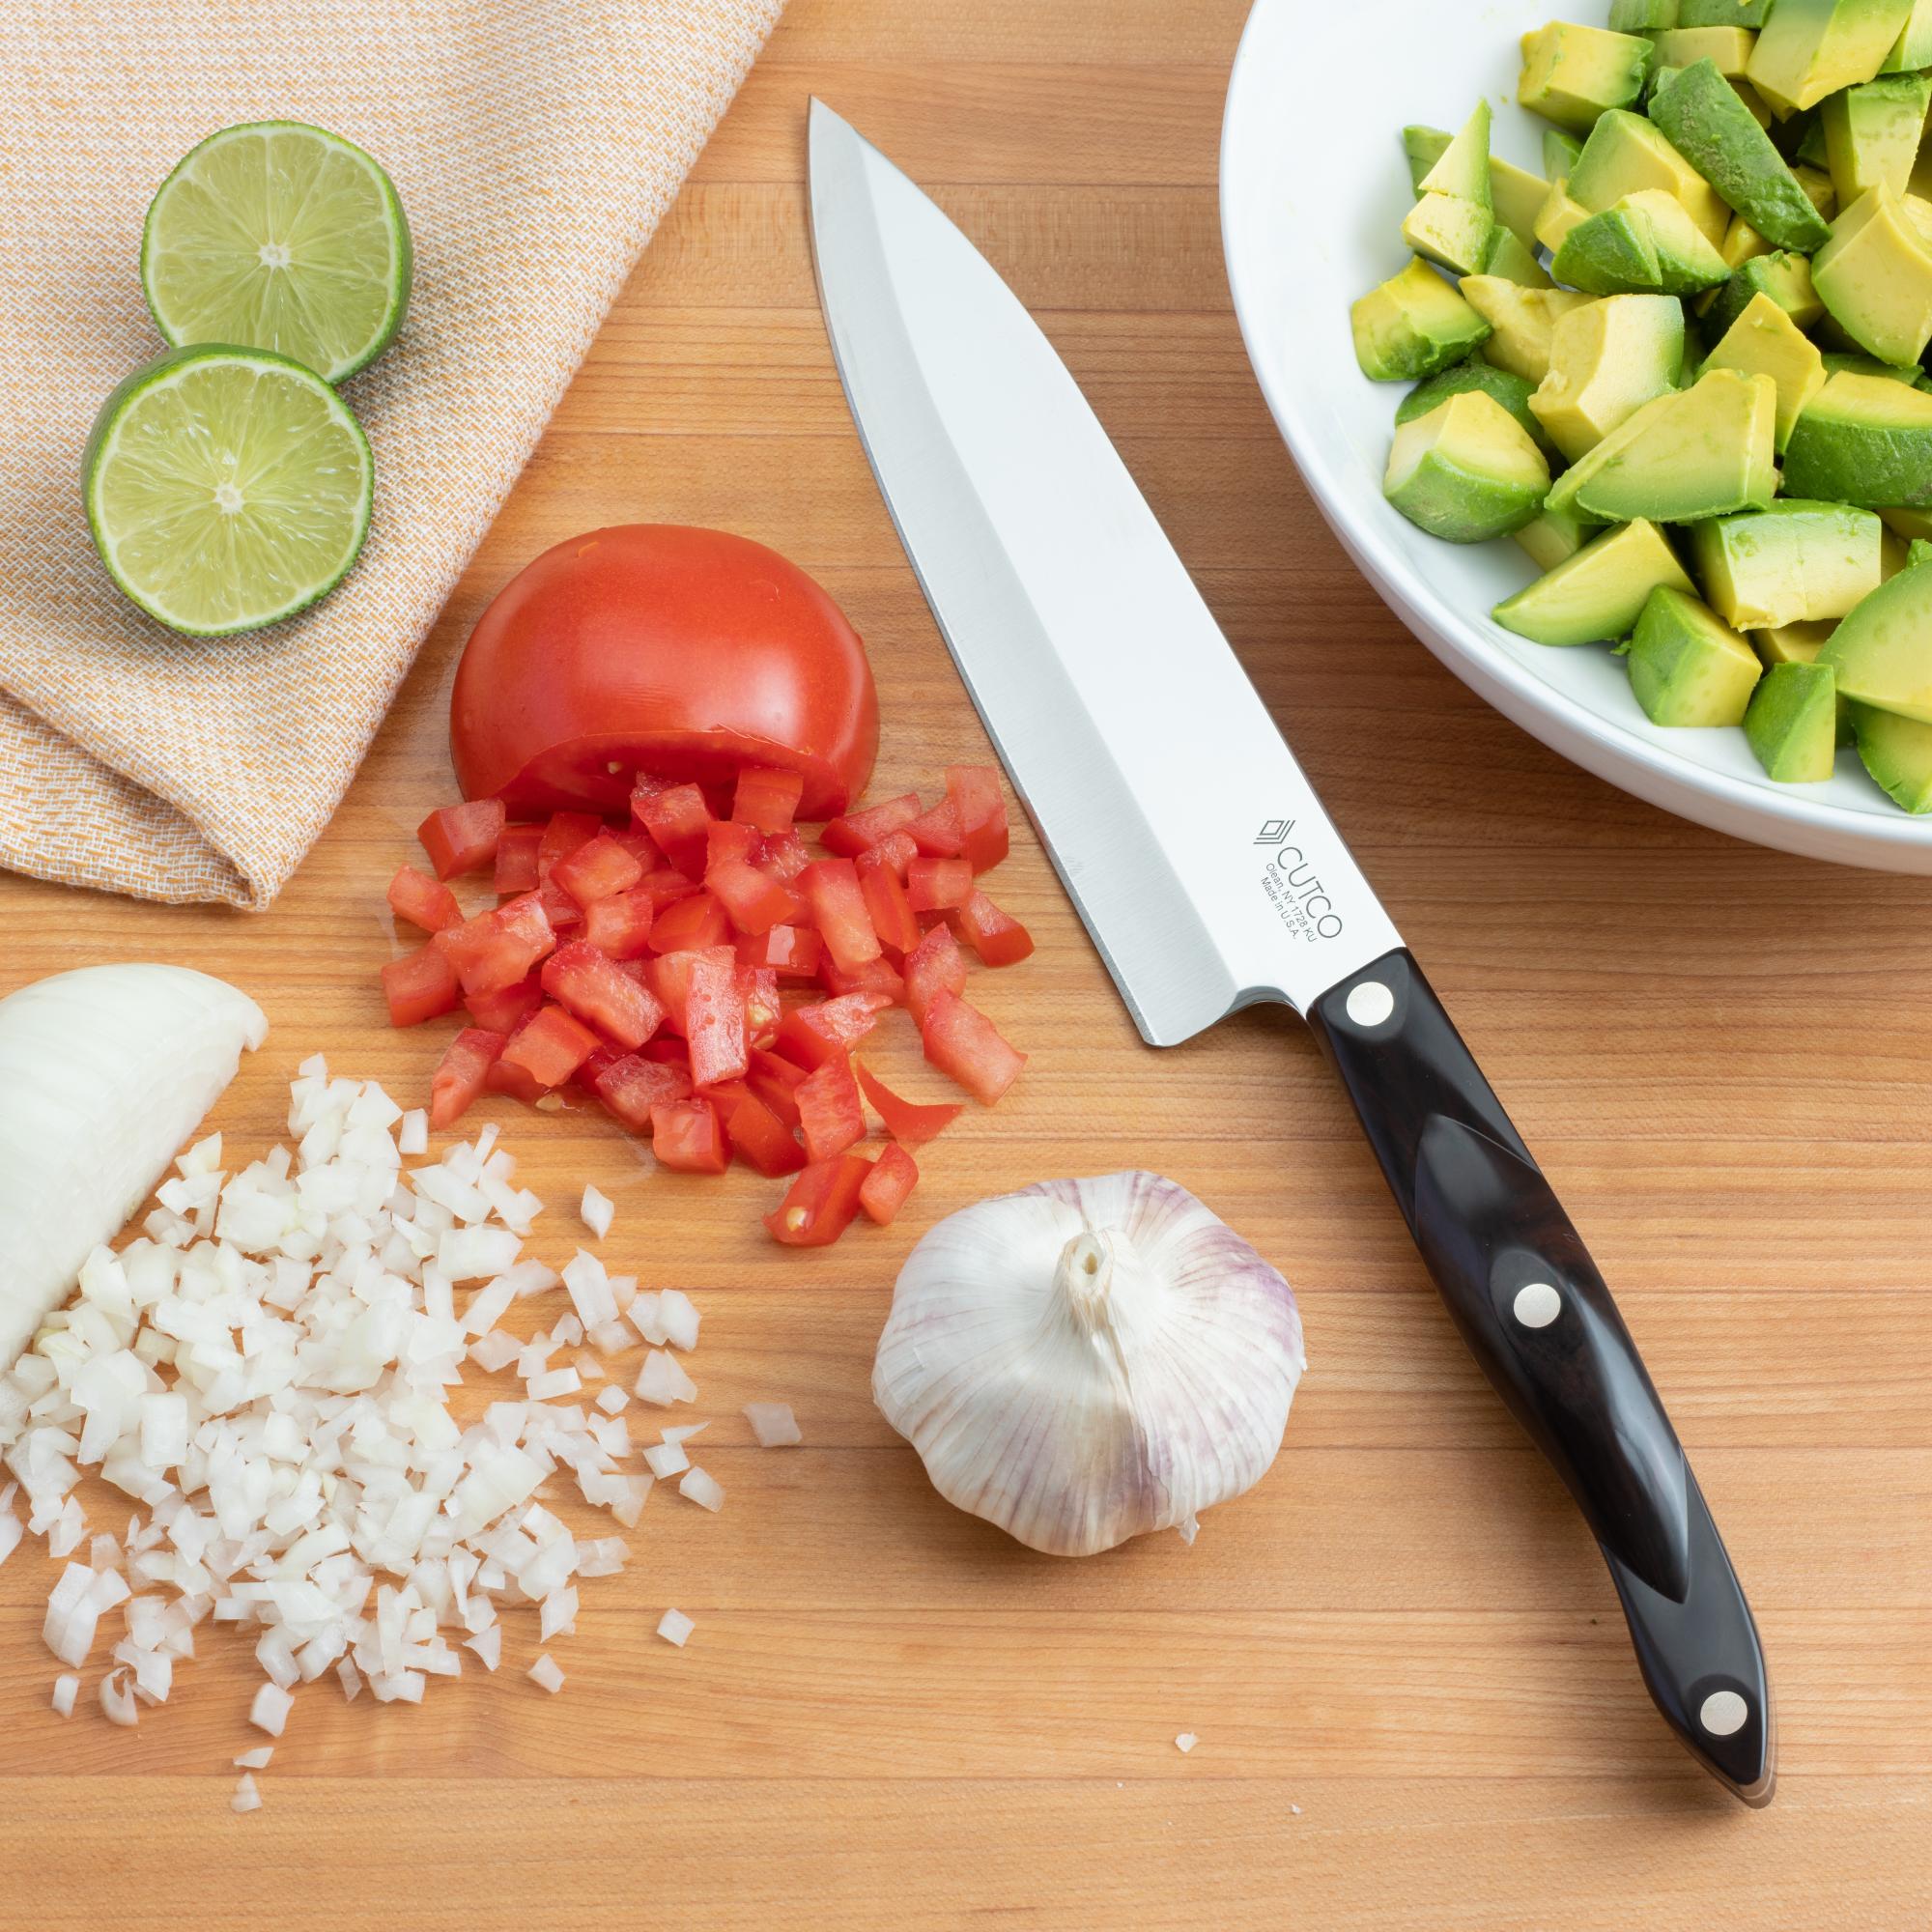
x=1416 y=1702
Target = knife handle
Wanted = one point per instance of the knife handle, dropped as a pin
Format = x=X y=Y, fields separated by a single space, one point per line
x=1538 y=1317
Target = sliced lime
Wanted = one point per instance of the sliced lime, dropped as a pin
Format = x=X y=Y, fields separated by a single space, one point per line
x=279 y=235
x=226 y=487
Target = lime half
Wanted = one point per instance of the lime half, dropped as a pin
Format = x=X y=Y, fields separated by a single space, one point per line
x=226 y=487
x=279 y=235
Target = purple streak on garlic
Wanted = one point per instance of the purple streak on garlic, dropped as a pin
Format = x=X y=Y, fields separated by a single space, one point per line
x=1088 y=1360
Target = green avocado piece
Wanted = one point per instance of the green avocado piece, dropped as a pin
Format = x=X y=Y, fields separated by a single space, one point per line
x=1571 y=75
x=1607 y=359
x=1626 y=155
x=1727 y=48
x=1600 y=592
x=1873 y=133
x=1750 y=13
x=1510 y=260
x=1454 y=233
x=1687 y=667
x=1642 y=16
x=1797 y=562
x=1706 y=121
x=1792 y=644
x=1765 y=341
x=1520 y=320
x=1555 y=536
x=1514 y=193
x=1918 y=552
x=1558 y=217
x=1785 y=277
x=1559 y=152
x=1512 y=391
x=1818 y=189
x=1646 y=244
x=1897 y=751
x=1809 y=49
x=1914 y=41
x=1837 y=363
x=1863 y=440
x=1874 y=275
x=1792 y=722
x=1412 y=326
x=1466 y=471
x=1462 y=168
x=1812 y=148
x=1883 y=651
x=1911 y=525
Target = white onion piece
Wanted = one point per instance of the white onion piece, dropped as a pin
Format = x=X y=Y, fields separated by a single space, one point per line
x=65 y=1686
x=702 y=1488
x=488 y=1644
x=1185 y=1742
x=677 y=1316
x=613 y=1400
x=674 y=1626
x=544 y=1671
x=414 y=1135
x=105 y=1071
x=666 y=1459
x=662 y=1381
x=117 y=1700
x=773 y=1424
x=598 y=1212
x=269 y=1711
x=247 y=1798
x=256 y=1759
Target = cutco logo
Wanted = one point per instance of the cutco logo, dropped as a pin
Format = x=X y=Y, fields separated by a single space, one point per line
x=1294 y=886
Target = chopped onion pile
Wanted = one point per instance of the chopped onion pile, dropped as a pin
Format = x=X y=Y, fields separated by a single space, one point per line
x=267 y=1372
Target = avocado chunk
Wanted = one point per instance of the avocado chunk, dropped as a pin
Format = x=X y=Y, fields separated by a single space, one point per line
x=1765 y=341
x=1646 y=244
x=1741 y=243
x=1792 y=644
x=1911 y=525
x=1626 y=155
x=1466 y=471
x=1785 y=277
x=1454 y=233
x=1512 y=262
x=1872 y=135
x=1897 y=752
x=1705 y=452
x=1571 y=75
x=1412 y=326
x=1894 y=554
x=1750 y=13
x=1462 y=168
x=1883 y=651
x=1600 y=592
x=1795 y=562
x=1559 y=152
x=1710 y=126
x=1818 y=188
x=1558 y=215
x=1792 y=722
x=1863 y=440
x=1642 y=16
x=1875 y=277
x=1685 y=666
x=1513 y=392
x=1809 y=49
x=1555 y=536
x=1515 y=194
x=1914 y=41
x=1727 y=48
x=1837 y=363
x=1607 y=359
x=1520 y=320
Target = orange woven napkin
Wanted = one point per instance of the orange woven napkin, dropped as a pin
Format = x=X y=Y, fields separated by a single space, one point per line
x=535 y=144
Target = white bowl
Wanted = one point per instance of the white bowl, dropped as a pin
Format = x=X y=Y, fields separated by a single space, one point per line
x=1314 y=189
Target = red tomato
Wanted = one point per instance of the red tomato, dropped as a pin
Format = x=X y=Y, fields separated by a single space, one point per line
x=600 y=868
x=767 y=800
x=876 y=975
x=691 y=924
x=495 y=950
x=792 y=951
x=935 y=965
x=678 y=821
x=821 y=1203
x=961 y=1041
x=938 y=884
x=621 y=924
x=753 y=900
x=882 y=1192
x=809 y=1035
x=420 y=987
x=506 y=1010
x=600 y=992
x=830 y=1112
x=550 y=1047
x=460 y=1076
x=886 y=901
x=424 y=902
x=684 y=653
x=760 y=1139
x=776 y=1081
x=631 y=1087
x=686 y=1137
x=830 y=889
x=714 y=1017
x=517 y=859
x=975 y=795
x=860 y=831
x=462 y=837
x=908 y=1123
x=938 y=833
x=996 y=936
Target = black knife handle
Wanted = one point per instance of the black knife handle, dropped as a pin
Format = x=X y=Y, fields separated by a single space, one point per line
x=1538 y=1317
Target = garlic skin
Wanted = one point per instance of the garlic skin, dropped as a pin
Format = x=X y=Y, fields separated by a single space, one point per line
x=1085 y=1361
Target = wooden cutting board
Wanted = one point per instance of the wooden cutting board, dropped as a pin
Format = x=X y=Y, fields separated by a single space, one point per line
x=1416 y=1702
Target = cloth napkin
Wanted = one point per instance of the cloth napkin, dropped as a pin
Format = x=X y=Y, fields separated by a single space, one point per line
x=534 y=143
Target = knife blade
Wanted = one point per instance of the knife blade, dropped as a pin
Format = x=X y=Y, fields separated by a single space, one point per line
x=1210 y=877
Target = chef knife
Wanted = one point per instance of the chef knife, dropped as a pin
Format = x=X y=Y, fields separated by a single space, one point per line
x=1210 y=878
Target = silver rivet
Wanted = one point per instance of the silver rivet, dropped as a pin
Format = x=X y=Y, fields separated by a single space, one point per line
x=1370 y=1004
x=1724 y=1713
x=1537 y=1305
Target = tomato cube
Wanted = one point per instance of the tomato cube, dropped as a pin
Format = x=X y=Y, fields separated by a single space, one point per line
x=830 y=1115
x=461 y=1074
x=767 y=799
x=496 y=949
x=420 y=987
x=784 y=857
x=596 y=1063
x=962 y=1042
x=882 y=1192
x=551 y=1046
x=758 y=989
x=686 y=1137
x=597 y=870
x=566 y=832
x=875 y=975
x=908 y=1123
x=760 y=1139
x=670 y=979
x=776 y=1081
x=857 y=831
x=998 y=938
x=506 y=1076
x=753 y=900
x=690 y=924
x=621 y=924
x=938 y=833
x=581 y=980
x=726 y=839
x=517 y=860
x=424 y=902
x=809 y=1035
x=714 y=1018
x=462 y=838
x=629 y=1089
x=820 y=1203
x=886 y=901
x=938 y=884
x=676 y=817
x=506 y=1010
x=935 y=964
x=976 y=797
x=792 y=951
x=830 y=889
x=666 y=885
x=640 y=845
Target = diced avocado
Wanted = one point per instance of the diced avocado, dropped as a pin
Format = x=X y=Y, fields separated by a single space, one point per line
x=1919 y=552
x=1599 y=593
x=1873 y=133
x=1422 y=148
x=1607 y=359
x=1466 y=471
x=1765 y=341
x=1711 y=126
x=1625 y=155
x=1812 y=148
x=1809 y=49
x=1571 y=73
x=1785 y=277
x=1509 y=259
x=1646 y=244
x=1446 y=229
x=1792 y=722
x=1743 y=243
x=1520 y=320
x=1883 y=651
x=1705 y=452
x=1749 y=14
x=1642 y=16
x=1687 y=667
x=1909 y=523
x=1513 y=392
x=1555 y=536
x=1839 y=364
x=1863 y=440
x=1558 y=215
x=1727 y=48
x=1875 y=277
x=1413 y=325
x=1914 y=49
x=1462 y=168
x=1515 y=194
x=1559 y=152
x=1797 y=562
x=1818 y=188
x=1792 y=644
x=1897 y=751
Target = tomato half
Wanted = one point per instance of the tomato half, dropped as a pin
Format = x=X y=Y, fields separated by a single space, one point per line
x=652 y=647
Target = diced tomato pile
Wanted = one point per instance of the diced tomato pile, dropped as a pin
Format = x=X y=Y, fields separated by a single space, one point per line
x=707 y=979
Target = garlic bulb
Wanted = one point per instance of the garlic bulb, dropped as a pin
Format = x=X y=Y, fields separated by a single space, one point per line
x=1088 y=1360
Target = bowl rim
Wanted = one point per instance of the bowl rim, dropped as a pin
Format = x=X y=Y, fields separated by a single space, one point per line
x=1449 y=632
